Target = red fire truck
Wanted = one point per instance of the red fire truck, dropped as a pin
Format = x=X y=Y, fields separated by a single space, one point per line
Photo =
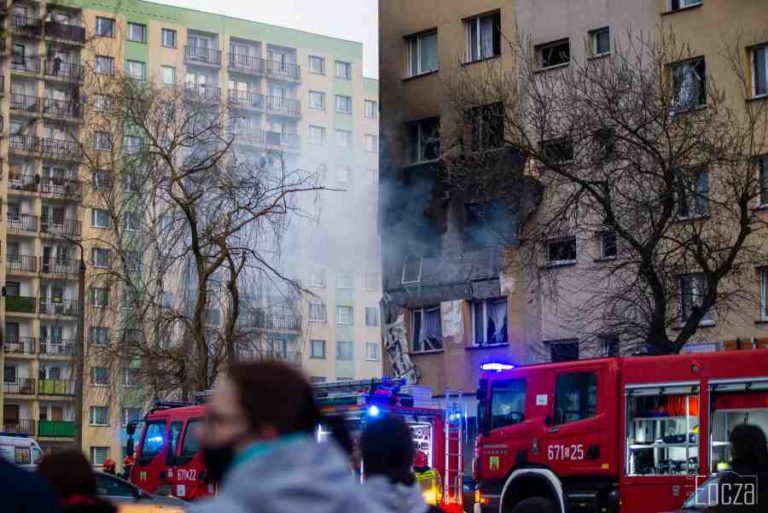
x=628 y=435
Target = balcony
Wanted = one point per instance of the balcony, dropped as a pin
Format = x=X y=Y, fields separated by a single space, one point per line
x=284 y=106
x=272 y=321
x=23 y=143
x=56 y=266
x=246 y=100
x=23 y=223
x=57 y=347
x=57 y=306
x=60 y=148
x=26 y=25
x=55 y=429
x=23 y=386
x=25 y=64
x=283 y=71
x=20 y=345
x=21 y=304
x=19 y=426
x=246 y=64
x=268 y=139
x=62 y=387
x=205 y=56
x=25 y=104
x=22 y=182
x=202 y=92
x=65 y=227
x=63 y=108
x=24 y=263
x=290 y=357
x=65 y=32
x=66 y=71
x=61 y=187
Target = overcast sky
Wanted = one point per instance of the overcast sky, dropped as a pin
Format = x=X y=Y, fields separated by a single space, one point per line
x=356 y=20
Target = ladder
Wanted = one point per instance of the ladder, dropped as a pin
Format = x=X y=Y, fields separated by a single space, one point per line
x=453 y=481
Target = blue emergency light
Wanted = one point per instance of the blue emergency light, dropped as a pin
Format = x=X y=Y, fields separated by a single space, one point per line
x=373 y=411
x=496 y=366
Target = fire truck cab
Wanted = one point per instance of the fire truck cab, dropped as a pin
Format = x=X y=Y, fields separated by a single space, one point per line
x=629 y=435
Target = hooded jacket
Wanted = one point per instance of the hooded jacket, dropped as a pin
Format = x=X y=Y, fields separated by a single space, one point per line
x=395 y=497
x=298 y=476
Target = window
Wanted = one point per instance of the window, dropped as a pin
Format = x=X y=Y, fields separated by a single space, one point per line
x=764 y=293
x=424 y=140
x=104 y=65
x=372 y=352
x=575 y=397
x=130 y=377
x=601 y=41
x=99 y=335
x=561 y=251
x=317 y=312
x=344 y=280
x=99 y=297
x=369 y=108
x=608 y=345
x=676 y=5
x=102 y=141
x=316 y=65
x=100 y=218
x=426 y=329
x=760 y=70
x=343 y=104
x=345 y=350
x=693 y=194
x=345 y=174
x=422 y=53
x=136 y=32
x=317 y=349
x=105 y=27
x=483 y=37
x=344 y=70
x=507 y=402
x=486 y=124
x=371 y=315
x=101 y=257
x=370 y=143
x=100 y=376
x=137 y=70
x=99 y=455
x=344 y=315
x=316 y=135
x=608 y=244
x=99 y=416
x=100 y=180
x=191 y=443
x=605 y=142
x=131 y=222
x=132 y=415
x=343 y=138
x=169 y=75
x=489 y=321
x=762 y=170
x=168 y=38
x=317 y=277
x=371 y=281
x=693 y=289
x=132 y=181
x=557 y=53
x=688 y=85
x=317 y=100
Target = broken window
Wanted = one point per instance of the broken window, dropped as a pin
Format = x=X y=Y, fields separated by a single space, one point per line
x=688 y=85
x=557 y=151
x=426 y=329
x=489 y=321
x=560 y=251
x=483 y=37
x=412 y=270
x=425 y=140
x=486 y=124
x=553 y=54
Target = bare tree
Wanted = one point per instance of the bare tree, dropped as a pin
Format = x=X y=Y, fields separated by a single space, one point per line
x=645 y=163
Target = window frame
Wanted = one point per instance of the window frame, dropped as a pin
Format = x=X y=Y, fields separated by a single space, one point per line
x=319 y=59
x=130 y=63
x=131 y=24
x=101 y=263
x=697 y=199
x=96 y=293
x=99 y=24
x=174 y=36
x=416 y=39
x=377 y=352
x=372 y=147
x=94 y=374
x=322 y=355
x=163 y=69
x=420 y=140
x=570 y=342
x=320 y=130
x=473 y=315
x=681 y=7
x=376 y=319
x=316 y=94
x=688 y=280
x=541 y=48
x=347 y=344
x=346 y=66
x=92 y=421
x=413 y=332
x=322 y=308
x=347 y=137
x=95 y=217
x=343 y=104
x=373 y=108
x=608 y=233
x=106 y=59
x=594 y=36
x=559 y=262
x=700 y=102
x=495 y=37
x=350 y=309
x=762 y=47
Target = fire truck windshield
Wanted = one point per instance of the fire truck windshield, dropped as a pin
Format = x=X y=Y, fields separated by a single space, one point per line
x=507 y=402
x=154 y=438
x=191 y=444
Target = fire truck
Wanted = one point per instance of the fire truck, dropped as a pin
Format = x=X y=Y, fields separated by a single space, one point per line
x=628 y=435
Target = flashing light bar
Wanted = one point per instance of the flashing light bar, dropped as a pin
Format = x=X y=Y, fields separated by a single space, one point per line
x=373 y=411
x=496 y=366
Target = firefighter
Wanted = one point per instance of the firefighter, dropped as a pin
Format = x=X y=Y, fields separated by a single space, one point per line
x=127 y=465
x=109 y=466
x=428 y=478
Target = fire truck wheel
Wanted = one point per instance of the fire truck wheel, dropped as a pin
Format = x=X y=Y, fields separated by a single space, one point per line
x=535 y=505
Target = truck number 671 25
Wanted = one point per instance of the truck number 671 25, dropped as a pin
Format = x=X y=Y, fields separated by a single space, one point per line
x=565 y=452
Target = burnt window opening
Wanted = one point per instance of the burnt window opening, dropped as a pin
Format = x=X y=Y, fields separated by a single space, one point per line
x=557 y=151
x=412 y=269
x=556 y=53
x=561 y=251
x=486 y=126
x=424 y=140
x=563 y=350
x=489 y=321
x=426 y=329
x=487 y=224
x=608 y=345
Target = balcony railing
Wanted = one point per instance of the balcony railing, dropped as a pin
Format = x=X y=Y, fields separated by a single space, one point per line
x=19 y=426
x=293 y=357
x=58 y=68
x=60 y=148
x=57 y=266
x=24 y=386
x=25 y=63
x=27 y=25
x=55 y=429
x=267 y=138
x=21 y=304
x=276 y=322
x=70 y=227
x=57 y=347
x=50 y=306
x=63 y=108
x=56 y=387
x=65 y=31
x=20 y=345
x=247 y=100
x=22 y=182
x=283 y=71
x=23 y=223
x=284 y=106
x=22 y=263
x=60 y=187
x=203 y=92
x=25 y=103
x=23 y=142
x=196 y=54
x=246 y=64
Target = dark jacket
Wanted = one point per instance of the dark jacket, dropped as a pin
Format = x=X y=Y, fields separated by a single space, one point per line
x=24 y=492
x=747 y=481
x=92 y=506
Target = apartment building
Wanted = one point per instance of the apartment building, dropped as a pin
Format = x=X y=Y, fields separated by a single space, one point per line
x=455 y=299
x=288 y=91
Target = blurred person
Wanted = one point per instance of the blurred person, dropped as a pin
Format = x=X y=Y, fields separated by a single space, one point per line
x=109 y=466
x=127 y=466
x=259 y=445
x=748 y=468
x=72 y=478
x=427 y=477
x=387 y=449
x=25 y=492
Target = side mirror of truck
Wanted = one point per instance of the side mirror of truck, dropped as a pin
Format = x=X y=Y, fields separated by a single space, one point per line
x=130 y=429
x=549 y=420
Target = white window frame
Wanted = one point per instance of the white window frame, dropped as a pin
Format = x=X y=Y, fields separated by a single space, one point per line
x=94 y=452
x=343 y=104
x=347 y=138
x=540 y=49
x=594 y=37
x=477 y=22
x=125 y=382
x=102 y=141
x=345 y=308
x=376 y=318
x=316 y=58
x=172 y=33
x=759 y=48
x=142 y=67
x=92 y=420
x=172 y=71
x=95 y=382
x=106 y=59
x=131 y=221
x=683 y=4
x=101 y=22
x=315 y=129
x=345 y=174
x=485 y=302
x=369 y=108
x=412 y=328
x=423 y=139
x=317 y=95
x=323 y=354
x=343 y=65
x=350 y=345
x=95 y=216
x=132 y=25
x=372 y=356
x=103 y=261
x=97 y=340
x=125 y=417
x=96 y=294
x=415 y=69
x=321 y=308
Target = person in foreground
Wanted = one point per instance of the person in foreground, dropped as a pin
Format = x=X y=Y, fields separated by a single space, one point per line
x=259 y=445
x=24 y=492
x=387 y=449
x=744 y=489
x=72 y=478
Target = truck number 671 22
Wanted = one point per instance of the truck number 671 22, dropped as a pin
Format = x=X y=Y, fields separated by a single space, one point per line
x=565 y=452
